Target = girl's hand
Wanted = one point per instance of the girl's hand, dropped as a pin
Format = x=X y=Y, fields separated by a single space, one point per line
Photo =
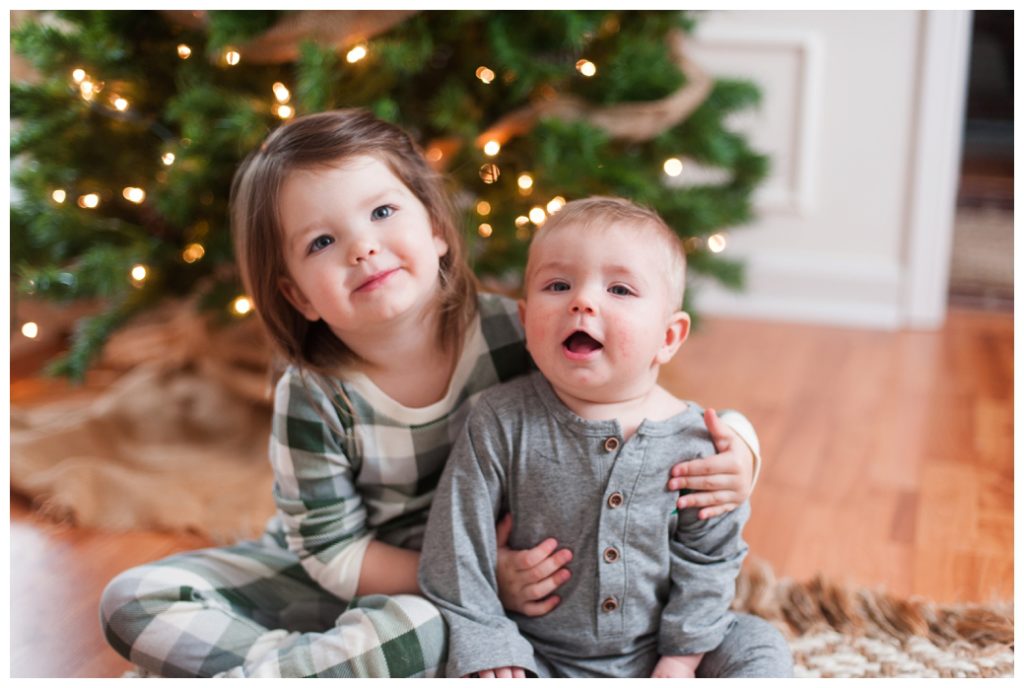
x=527 y=577
x=500 y=672
x=683 y=666
x=724 y=480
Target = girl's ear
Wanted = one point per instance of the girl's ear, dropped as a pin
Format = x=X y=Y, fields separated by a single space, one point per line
x=297 y=299
x=675 y=334
x=441 y=245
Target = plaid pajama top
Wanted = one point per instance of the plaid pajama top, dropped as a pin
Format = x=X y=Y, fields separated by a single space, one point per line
x=372 y=474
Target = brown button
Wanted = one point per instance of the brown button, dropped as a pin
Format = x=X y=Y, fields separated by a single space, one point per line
x=615 y=500
x=611 y=444
x=611 y=555
x=610 y=604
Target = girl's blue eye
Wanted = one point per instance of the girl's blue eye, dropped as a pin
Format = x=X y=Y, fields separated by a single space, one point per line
x=619 y=290
x=557 y=286
x=381 y=212
x=320 y=243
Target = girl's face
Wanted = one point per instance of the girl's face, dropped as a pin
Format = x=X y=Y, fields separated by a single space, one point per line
x=359 y=247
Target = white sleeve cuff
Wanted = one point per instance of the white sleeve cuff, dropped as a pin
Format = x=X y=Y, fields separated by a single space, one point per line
x=739 y=423
x=341 y=574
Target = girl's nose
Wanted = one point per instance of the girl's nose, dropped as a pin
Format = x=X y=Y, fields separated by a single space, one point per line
x=361 y=250
x=582 y=304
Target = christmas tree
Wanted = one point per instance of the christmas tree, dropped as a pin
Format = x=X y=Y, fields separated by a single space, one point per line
x=124 y=146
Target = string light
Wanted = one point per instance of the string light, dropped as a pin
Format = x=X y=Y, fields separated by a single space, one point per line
x=193 y=252
x=88 y=89
x=691 y=245
x=522 y=233
x=673 y=167
x=485 y=230
x=537 y=215
x=555 y=204
x=167 y=158
x=119 y=103
x=89 y=201
x=525 y=181
x=491 y=148
x=483 y=208
x=490 y=173
x=78 y=75
x=30 y=330
x=134 y=194
x=716 y=243
x=59 y=195
x=586 y=68
x=138 y=274
x=522 y=221
x=184 y=52
x=281 y=92
x=285 y=111
x=232 y=57
x=241 y=306
x=434 y=154
x=355 y=54
x=485 y=74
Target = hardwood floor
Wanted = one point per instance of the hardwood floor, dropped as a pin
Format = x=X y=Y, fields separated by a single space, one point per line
x=888 y=463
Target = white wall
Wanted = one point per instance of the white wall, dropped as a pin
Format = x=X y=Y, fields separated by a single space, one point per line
x=854 y=223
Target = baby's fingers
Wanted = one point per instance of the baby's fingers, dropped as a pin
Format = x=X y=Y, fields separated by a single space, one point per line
x=703 y=499
x=542 y=607
x=719 y=481
x=545 y=587
x=712 y=511
x=528 y=558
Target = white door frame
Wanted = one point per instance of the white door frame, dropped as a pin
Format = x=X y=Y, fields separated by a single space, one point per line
x=935 y=167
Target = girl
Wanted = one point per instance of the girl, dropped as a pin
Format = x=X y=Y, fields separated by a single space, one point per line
x=349 y=250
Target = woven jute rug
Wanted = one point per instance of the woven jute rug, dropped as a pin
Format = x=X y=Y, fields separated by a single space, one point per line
x=835 y=631
x=838 y=632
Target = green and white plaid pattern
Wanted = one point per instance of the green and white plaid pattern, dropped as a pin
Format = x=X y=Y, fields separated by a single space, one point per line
x=274 y=607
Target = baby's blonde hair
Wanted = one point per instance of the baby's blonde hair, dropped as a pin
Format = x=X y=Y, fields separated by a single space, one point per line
x=611 y=210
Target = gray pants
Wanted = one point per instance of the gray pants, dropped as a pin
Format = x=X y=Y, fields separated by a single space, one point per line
x=753 y=648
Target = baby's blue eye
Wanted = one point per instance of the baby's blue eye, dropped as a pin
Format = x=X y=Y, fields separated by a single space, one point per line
x=381 y=212
x=619 y=290
x=320 y=243
x=557 y=286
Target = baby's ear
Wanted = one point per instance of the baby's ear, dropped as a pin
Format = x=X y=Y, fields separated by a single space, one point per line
x=522 y=312
x=297 y=299
x=675 y=334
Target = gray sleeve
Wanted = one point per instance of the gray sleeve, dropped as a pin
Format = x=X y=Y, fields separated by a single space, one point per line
x=457 y=565
x=705 y=559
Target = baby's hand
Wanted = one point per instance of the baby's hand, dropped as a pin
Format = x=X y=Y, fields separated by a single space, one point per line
x=500 y=672
x=722 y=481
x=527 y=577
x=679 y=666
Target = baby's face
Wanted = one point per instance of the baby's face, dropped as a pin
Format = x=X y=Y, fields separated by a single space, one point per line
x=596 y=311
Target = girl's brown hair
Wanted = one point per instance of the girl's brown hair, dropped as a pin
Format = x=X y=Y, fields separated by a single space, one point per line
x=319 y=140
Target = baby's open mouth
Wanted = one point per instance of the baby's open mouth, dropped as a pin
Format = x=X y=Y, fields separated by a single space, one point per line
x=580 y=342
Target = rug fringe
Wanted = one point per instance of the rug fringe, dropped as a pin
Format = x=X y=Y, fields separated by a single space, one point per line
x=797 y=608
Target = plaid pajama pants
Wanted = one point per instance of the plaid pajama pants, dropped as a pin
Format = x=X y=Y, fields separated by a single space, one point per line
x=251 y=610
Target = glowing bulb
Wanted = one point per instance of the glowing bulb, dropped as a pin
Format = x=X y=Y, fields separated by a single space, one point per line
x=167 y=159
x=525 y=181
x=193 y=252
x=285 y=111
x=89 y=200
x=491 y=148
x=537 y=215
x=522 y=220
x=30 y=330
x=483 y=208
x=281 y=92
x=555 y=204
x=586 y=68
x=522 y=233
x=78 y=75
x=139 y=273
x=716 y=243
x=434 y=154
x=88 y=89
x=59 y=195
x=184 y=52
x=232 y=56
x=134 y=194
x=120 y=103
x=355 y=54
x=673 y=167
x=485 y=74
x=241 y=305
x=489 y=173
x=485 y=230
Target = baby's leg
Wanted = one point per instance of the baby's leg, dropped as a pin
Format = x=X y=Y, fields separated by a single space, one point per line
x=753 y=648
x=251 y=609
